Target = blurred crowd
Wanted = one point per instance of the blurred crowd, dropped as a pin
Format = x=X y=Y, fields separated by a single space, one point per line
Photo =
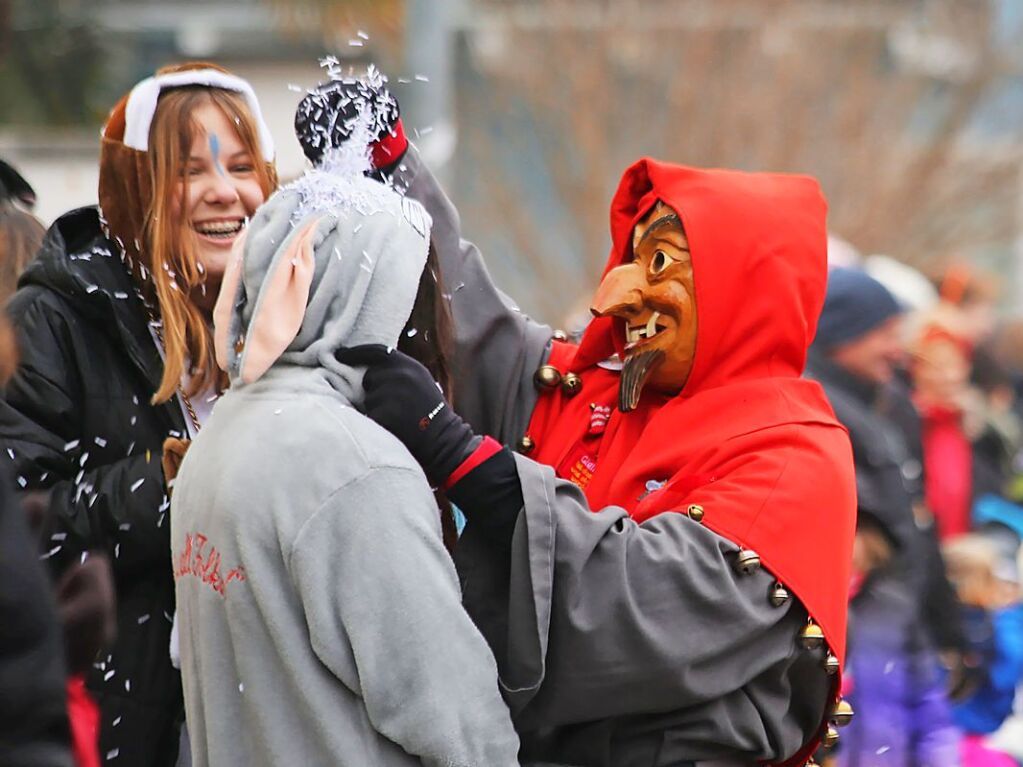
x=928 y=381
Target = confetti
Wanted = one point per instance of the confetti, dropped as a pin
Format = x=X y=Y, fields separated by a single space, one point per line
x=112 y=753
x=137 y=484
x=109 y=675
x=100 y=441
x=71 y=445
x=143 y=618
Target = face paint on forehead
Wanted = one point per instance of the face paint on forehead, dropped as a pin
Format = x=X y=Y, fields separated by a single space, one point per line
x=215 y=151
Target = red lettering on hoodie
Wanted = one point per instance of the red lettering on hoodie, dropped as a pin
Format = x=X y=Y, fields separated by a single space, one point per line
x=196 y=561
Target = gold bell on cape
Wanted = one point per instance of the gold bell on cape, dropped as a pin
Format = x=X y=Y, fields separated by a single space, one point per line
x=571 y=384
x=547 y=377
x=526 y=445
x=695 y=512
x=843 y=713
x=779 y=595
x=830 y=737
x=811 y=637
x=831 y=664
x=748 y=561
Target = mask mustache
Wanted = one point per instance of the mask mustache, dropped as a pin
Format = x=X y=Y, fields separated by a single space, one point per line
x=635 y=372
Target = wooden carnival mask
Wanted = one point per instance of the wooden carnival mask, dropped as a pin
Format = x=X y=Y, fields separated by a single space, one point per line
x=654 y=296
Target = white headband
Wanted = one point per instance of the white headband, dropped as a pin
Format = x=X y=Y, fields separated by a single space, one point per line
x=138 y=115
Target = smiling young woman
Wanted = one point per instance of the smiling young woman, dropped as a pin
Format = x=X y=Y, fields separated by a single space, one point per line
x=207 y=183
x=113 y=324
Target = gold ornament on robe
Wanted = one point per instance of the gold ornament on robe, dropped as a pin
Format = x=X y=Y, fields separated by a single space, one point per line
x=843 y=713
x=748 y=561
x=547 y=377
x=811 y=637
x=779 y=595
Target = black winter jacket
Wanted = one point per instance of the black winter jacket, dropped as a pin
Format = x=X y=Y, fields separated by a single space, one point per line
x=33 y=716
x=76 y=418
x=888 y=481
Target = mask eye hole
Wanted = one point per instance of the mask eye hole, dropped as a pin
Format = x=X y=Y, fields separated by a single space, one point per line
x=660 y=262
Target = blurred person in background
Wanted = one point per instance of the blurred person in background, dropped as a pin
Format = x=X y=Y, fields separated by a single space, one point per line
x=997 y=431
x=84 y=592
x=987 y=582
x=21 y=233
x=898 y=575
x=974 y=295
x=113 y=323
x=34 y=729
x=940 y=371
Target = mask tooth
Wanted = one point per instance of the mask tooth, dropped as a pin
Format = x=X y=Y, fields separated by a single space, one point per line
x=651 y=325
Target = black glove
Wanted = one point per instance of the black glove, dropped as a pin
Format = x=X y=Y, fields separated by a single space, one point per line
x=402 y=396
x=325 y=117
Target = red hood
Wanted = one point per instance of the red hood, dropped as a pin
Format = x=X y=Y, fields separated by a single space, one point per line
x=749 y=441
x=759 y=245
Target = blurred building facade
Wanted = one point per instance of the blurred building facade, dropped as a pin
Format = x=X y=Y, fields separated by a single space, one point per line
x=910 y=112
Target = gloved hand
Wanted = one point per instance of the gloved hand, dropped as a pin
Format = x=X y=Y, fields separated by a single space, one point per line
x=479 y=477
x=402 y=396
x=324 y=119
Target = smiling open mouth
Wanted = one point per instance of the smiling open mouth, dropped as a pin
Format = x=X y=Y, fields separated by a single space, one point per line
x=219 y=230
x=637 y=333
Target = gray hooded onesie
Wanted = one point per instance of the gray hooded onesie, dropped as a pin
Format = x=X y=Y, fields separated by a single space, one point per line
x=320 y=613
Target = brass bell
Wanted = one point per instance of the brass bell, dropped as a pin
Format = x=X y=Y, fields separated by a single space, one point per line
x=571 y=384
x=811 y=637
x=695 y=512
x=748 y=561
x=547 y=377
x=526 y=445
x=779 y=595
x=830 y=737
x=560 y=335
x=831 y=664
x=811 y=763
x=843 y=713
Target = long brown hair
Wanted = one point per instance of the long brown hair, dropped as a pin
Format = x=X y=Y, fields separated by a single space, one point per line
x=170 y=243
x=428 y=337
x=21 y=234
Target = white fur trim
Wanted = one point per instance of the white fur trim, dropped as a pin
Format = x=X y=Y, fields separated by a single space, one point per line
x=138 y=114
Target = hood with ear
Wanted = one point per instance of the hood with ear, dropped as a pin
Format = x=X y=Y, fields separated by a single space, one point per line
x=305 y=282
